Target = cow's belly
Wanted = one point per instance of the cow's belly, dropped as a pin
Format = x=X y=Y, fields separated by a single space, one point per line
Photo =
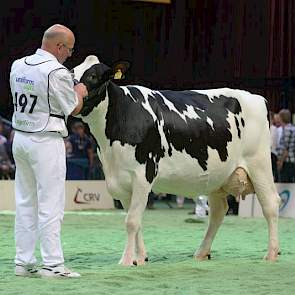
x=182 y=175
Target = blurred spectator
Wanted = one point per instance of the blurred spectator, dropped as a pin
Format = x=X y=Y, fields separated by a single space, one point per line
x=8 y=146
x=286 y=149
x=3 y=138
x=151 y=200
x=179 y=201
x=201 y=208
x=5 y=127
x=79 y=151
x=233 y=205
x=274 y=144
x=6 y=167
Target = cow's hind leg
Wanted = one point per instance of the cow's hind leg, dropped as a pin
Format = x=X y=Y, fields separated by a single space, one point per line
x=135 y=244
x=269 y=200
x=218 y=208
x=140 y=248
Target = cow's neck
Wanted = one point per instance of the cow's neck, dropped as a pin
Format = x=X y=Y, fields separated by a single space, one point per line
x=97 y=121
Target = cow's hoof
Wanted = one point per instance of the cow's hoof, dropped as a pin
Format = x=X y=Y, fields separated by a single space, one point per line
x=146 y=259
x=200 y=257
x=127 y=263
x=272 y=256
x=140 y=261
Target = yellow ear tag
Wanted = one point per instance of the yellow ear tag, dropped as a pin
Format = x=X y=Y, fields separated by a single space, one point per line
x=118 y=75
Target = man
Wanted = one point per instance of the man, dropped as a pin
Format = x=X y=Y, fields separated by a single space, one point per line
x=286 y=149
x=274 y=144
x=43 y=96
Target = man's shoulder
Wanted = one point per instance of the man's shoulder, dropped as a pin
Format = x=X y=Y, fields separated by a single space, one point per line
x=18 y=61
x=60 y=72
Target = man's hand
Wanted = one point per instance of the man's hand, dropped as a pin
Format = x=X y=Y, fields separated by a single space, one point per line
x=82 y=92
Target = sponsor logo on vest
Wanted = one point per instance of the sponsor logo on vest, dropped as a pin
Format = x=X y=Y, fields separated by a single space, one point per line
x=28 y=87
x=24 y=80
x=24 y=123
x=86 y=197
x=285 y=197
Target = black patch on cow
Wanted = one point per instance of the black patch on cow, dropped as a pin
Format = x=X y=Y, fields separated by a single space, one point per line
x=238 y=126
x=242 y=121
x=195 y=135
x=129 y=122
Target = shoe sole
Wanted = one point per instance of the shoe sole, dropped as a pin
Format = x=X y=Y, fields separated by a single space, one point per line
x=28 y=275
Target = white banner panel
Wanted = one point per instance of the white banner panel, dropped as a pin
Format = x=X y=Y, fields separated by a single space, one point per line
x=87 y=194
x=7 y=195
x=80 y=195
x=250 y=207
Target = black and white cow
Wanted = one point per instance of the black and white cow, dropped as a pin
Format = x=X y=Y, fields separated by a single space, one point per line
x=192 y=142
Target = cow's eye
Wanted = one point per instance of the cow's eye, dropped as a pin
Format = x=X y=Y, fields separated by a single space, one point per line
x=92 y=79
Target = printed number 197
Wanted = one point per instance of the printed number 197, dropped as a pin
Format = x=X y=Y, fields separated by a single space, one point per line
x=22 y=101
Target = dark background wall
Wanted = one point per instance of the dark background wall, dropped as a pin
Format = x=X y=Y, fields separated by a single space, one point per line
x=246 y=44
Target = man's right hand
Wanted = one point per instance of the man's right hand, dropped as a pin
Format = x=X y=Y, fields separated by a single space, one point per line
x=81 y=90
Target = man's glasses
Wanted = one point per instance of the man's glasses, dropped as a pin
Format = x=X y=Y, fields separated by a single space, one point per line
x=71 y=50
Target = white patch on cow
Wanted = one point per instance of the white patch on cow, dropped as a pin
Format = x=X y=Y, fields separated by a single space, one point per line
x=170 y=105
x=191 y=113
x=127 y=92
x=145 y=93
x=164 y=142
x=89 y=61
x=210 y=122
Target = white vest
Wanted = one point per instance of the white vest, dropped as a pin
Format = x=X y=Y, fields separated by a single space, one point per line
x=29 y=82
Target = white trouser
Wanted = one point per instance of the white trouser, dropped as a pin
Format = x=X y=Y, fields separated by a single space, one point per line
x=39 y=195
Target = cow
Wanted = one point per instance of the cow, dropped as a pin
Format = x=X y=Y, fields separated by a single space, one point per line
x=214 y=142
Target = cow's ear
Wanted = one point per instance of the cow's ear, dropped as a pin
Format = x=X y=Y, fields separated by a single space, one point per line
x=119 y=69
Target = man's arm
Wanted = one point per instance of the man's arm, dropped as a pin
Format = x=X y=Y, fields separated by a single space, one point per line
x=69 y=97
x=81 y=92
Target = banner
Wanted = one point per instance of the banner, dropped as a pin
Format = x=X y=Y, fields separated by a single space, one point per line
x=250 y=207
x=80 y=195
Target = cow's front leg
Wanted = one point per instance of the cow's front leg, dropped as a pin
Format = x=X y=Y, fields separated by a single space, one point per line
x=133 y=222
x=218 y=208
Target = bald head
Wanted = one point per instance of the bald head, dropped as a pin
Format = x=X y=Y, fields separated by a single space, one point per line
x=59 y=41
x=57 y=33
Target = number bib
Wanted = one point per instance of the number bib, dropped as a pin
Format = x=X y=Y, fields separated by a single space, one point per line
x=29 y=82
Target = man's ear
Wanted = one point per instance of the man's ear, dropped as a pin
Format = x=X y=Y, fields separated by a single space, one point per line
x=119 y=69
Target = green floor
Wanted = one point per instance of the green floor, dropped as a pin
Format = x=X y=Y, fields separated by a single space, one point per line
x=93 y=244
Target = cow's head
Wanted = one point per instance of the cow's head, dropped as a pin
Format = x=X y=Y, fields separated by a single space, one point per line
x=95 y=76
